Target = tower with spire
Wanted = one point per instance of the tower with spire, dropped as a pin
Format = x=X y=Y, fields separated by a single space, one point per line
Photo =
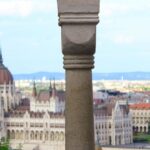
x=1 y=58
x=6 y=86
x=54 y=92
x=50 y=89
x=34 y=92
x=47 y=99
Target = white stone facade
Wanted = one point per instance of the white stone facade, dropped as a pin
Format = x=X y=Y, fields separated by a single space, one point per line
x=52 y=105
x=114 y=129
x=44 y=122
x=9 y=98
x=49 y=128
x=2 y=125
x=101 y=94
x=49 y=100
x=140 y=117
x=35 y=128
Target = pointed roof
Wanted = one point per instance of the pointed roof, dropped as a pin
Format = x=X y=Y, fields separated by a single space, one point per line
x=54 y=86
x=50 y=86
x=140 y=106
x=54 y=92
x=127 y=106
x=5 y=74
x=34 y=92
x=50 y=89
x=1 y=57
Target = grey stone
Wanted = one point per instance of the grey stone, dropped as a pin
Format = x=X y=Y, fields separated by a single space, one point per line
x=78 y=20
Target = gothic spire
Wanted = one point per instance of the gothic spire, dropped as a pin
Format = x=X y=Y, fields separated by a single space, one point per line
x=54 y=86
x=1 y=58
x=34 y=92
x=127 y=106
x=54 y=89
x=50 y=88
x=50 y=85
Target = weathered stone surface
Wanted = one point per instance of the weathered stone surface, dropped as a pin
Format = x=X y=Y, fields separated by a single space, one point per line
x=79 y=113
x=78 y=19
x=78 y=6
x=78 y=39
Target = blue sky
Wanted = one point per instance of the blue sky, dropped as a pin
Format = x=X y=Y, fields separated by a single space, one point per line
x=30 y=36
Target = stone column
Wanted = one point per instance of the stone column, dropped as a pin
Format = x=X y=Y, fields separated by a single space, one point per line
x=78 y=19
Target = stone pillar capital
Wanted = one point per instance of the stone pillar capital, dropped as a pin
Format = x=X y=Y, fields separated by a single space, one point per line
x=78 y=20
x=78 y=6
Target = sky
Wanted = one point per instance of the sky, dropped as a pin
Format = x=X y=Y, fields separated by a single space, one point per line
x=30 y=36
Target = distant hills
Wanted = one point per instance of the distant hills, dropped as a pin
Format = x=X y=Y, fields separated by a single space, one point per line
x=40 y=75
x=96 y=76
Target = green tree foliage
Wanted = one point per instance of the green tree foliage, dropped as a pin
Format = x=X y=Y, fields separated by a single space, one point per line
x=4 y=144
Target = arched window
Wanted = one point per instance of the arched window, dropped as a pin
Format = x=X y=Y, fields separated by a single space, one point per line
x=52 y=136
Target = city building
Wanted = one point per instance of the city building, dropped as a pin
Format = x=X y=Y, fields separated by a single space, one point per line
x=35 y=128
x=39 y=118
x=9 y=97
x=34 y=120
x=113 y=124
x=140 y=117
x=49 y=100
x=2 y=123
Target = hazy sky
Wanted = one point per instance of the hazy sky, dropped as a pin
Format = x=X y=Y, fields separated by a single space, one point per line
x=30 y=36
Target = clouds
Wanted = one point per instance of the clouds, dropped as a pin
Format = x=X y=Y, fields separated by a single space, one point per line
x=29 y=26
x=124 y=39
x=123 y=36
x=125 y=22
x=25 y=8
x=109 y=8
x=112 y=8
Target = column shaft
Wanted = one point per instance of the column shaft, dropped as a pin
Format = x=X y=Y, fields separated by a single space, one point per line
x=79 y=110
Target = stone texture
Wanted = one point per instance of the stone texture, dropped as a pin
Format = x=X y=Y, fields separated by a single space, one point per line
x=79 y=114
x=78 y=6
x=78 y=19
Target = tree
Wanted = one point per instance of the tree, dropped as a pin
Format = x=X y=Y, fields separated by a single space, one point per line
x=4 y=144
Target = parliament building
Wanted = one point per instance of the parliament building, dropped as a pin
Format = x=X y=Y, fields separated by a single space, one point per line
x=39 y=119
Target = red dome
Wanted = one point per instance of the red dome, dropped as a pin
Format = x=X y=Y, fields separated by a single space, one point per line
x=5 y=75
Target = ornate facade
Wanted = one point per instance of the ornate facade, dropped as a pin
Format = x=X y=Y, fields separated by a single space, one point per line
x=9 y=99
x=113 y=124
x=30 y=127
x=47 y=100
x=140 y=117
x=34 y=120
x=2 y=124
x=7 y=88
x=40 y=118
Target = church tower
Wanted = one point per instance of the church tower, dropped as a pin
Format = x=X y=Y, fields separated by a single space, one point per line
x=6 y=86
